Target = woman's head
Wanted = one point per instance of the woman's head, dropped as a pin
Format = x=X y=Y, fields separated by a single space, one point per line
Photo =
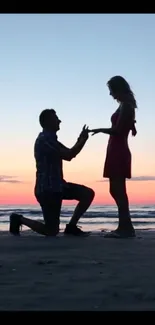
x=120 y=90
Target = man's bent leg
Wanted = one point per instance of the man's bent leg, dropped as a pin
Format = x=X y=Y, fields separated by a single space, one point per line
x=16 y=220
x=51 y=207
x=85 y=196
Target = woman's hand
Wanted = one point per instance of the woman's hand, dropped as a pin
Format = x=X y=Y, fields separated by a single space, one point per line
x=94 y=131
x=134 y=130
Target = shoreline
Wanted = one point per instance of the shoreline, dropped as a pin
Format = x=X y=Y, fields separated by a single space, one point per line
x=96 y=230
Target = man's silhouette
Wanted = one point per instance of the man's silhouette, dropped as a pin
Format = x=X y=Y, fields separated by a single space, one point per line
x=50 y=187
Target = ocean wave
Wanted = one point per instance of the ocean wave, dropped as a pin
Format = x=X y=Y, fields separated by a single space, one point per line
x=88 y=215
x=96 y=222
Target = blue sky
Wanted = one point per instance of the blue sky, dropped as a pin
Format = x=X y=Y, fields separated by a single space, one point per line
x=64 y=61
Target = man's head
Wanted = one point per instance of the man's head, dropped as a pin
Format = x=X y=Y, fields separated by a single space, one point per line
x=49 y=120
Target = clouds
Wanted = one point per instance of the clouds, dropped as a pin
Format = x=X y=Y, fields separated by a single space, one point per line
x=135 y=179
x=143 y=178
x=9 y=179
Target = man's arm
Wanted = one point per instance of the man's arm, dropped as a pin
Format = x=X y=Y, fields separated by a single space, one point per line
x=58 y=149
x=70 y=153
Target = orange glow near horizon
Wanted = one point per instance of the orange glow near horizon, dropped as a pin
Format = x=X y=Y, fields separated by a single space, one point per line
x=139 y=192
x=86 y=169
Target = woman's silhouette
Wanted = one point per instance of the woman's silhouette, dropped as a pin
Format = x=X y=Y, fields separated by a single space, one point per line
x=118 y=158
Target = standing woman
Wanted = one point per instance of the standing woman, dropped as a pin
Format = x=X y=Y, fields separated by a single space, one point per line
x=118 y=158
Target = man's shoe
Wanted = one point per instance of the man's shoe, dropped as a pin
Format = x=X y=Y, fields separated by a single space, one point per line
x=15 y=223
x=75 y=231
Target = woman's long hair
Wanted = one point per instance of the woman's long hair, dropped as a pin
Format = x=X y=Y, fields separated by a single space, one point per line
x=122 y=90
x=123 y=93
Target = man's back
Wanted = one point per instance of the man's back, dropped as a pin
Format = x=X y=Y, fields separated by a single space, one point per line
x=49 y=175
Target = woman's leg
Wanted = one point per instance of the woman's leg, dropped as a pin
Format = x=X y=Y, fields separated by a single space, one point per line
x=119 y=194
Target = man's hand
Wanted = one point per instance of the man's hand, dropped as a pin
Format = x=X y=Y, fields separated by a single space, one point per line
x=84 y=135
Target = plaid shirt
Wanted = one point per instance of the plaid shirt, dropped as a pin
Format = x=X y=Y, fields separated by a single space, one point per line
x=49 y=173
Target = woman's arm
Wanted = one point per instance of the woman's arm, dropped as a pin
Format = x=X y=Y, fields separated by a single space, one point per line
x=126 y=115
x=103 y=130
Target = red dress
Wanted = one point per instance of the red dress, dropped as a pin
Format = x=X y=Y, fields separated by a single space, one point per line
x=118 y=156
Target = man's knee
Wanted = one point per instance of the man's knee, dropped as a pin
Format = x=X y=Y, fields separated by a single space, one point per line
x=88 y=193
x=52 y=226
x=51 y=231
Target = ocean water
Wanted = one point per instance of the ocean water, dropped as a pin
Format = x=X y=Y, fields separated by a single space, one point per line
x=96 y=218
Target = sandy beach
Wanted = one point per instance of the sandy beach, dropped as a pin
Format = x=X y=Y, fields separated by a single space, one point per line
x=67 y=273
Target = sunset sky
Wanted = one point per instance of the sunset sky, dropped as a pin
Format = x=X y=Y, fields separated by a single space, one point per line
x=64 y=62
